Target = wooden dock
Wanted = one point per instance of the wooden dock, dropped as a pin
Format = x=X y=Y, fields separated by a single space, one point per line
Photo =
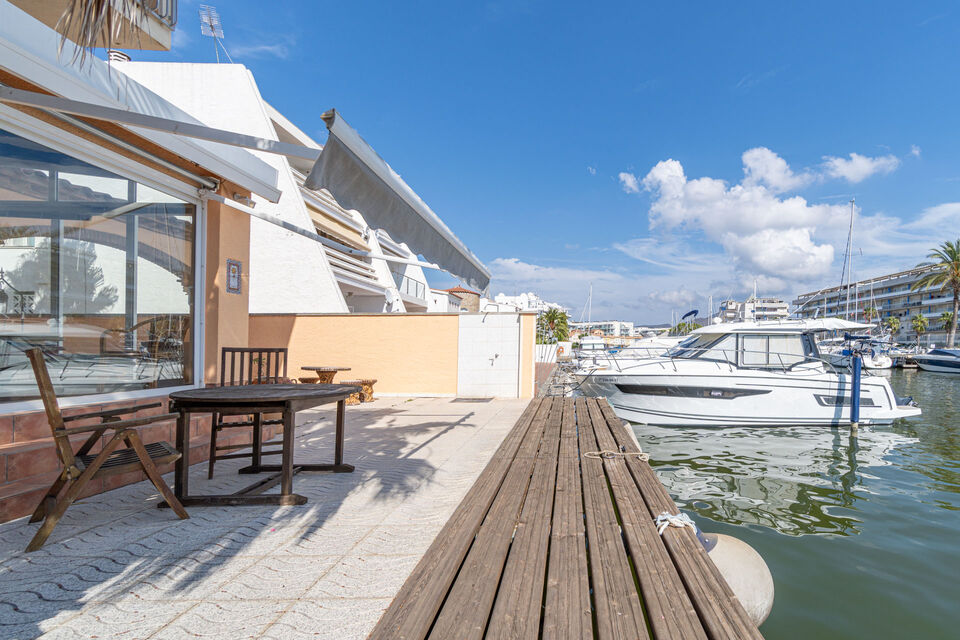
x=554 y=541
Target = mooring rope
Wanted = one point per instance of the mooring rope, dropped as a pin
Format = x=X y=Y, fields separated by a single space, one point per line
x=608 y=454
x=679 y=520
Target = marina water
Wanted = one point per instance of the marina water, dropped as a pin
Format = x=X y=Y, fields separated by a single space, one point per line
x=861 y=533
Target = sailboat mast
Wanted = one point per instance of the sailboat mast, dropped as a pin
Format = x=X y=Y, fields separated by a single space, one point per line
x=849 y=257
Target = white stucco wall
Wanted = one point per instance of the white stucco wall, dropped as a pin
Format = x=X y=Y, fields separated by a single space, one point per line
x=288 y=273
x=488 y=362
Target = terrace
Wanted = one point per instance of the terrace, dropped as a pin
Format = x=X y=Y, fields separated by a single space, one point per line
x=331 y=566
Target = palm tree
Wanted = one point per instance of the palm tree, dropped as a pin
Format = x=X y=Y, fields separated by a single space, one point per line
x=870 y=312
x=943 y=277
x=892 y=323
x=554 y=326
x=945 y=319
x=919 y=324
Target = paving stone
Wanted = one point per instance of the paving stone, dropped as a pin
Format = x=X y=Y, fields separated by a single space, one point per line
x=364 y=576
x=232 y=620
x=343 y=619
x=118 y=567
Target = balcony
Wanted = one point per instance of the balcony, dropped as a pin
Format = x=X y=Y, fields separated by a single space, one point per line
x=410 y=287
x=149 y=28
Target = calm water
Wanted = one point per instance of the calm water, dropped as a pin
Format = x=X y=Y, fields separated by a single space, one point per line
x=862 y=534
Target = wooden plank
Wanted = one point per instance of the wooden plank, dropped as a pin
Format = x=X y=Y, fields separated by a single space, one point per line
x=519 y=601
x=669 y=610
x=415 y=607
x=567 y=612
x=720 y=612
x=467 y=609
x=618 y=608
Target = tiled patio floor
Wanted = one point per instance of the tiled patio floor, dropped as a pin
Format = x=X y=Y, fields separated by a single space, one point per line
x=118 y=567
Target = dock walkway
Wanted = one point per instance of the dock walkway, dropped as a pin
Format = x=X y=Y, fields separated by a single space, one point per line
x=553 y=541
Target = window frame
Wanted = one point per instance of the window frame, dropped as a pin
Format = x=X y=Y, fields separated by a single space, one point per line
x=57 y=139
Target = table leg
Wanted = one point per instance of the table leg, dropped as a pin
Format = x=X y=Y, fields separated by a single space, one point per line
x=257 y=445
x=182 y=470
x=338 y=450
x=286 y=482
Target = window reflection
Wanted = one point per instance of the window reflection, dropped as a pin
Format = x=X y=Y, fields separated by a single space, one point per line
x=95 y=269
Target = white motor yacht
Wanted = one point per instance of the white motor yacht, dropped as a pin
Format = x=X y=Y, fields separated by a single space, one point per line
x=743 y=373
x=939 y=360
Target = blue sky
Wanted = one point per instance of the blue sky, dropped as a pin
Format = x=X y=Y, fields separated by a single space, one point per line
x=664 y=152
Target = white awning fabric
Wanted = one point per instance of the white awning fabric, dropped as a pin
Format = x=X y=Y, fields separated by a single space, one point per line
x=360 y=179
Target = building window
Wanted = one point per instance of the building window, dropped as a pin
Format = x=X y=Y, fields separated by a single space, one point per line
x=96 y=270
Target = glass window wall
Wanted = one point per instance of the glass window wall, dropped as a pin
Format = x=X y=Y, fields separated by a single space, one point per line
x=95 y=269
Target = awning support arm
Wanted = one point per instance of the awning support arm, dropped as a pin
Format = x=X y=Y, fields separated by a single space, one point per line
x=316 y=237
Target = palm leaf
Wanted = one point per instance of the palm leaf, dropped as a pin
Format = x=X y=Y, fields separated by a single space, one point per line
x=93 y=23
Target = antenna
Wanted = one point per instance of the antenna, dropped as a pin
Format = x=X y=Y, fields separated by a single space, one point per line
x=211 y=26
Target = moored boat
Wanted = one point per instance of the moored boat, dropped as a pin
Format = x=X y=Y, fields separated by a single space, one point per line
x=939 y=360
x=746 y=373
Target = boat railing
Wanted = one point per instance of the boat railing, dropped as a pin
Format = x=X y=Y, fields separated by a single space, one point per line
x=731 y=358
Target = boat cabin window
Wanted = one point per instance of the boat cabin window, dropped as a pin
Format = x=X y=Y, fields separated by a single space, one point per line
x=724 y=350
x=693 y=346
x=708 y=346
x=772 y=350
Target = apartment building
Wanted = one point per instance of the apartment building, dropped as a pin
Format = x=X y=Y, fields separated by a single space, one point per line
x=892 y=296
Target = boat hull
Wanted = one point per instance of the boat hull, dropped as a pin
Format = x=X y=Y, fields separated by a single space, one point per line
x=744 y=400
x=938 y=366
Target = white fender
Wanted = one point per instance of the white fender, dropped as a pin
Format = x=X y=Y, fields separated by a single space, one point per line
x=745 y=571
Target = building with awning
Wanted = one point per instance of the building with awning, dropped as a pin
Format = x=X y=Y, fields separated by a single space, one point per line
x=153 y=214
x=361 y=266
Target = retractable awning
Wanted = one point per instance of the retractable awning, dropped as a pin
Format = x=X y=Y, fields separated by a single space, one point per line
x=347 y=166
x=360 y=179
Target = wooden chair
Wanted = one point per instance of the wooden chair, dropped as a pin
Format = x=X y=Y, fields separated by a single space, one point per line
x=247 y=365
x=81 y=467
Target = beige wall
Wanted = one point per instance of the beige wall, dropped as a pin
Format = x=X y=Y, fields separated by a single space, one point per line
x=412 y=354
x=227 y=315
x=528 y=346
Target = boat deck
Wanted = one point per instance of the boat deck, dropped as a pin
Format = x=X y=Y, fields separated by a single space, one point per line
x=556 y=541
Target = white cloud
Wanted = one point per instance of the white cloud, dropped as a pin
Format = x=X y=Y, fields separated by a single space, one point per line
x=915 y=151
x=858 y=168
x=681 y=297
x=764 y=234
x=629 y=182
x=764 y=167
x=942 y=216
x=281 y=51
x=785 y=253
x=591 y=170
x=673 y=255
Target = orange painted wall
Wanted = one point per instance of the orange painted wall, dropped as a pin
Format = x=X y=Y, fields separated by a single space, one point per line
x=227 y=315
x=406 y=353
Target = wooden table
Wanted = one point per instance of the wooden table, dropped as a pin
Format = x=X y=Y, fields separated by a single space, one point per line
x=256 y=400
x=325 y=374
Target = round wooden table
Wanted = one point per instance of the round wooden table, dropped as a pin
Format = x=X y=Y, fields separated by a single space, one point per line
x=325 y=375
x=256 y=400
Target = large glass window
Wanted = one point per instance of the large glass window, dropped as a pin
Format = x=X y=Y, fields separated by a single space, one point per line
x=95 y=269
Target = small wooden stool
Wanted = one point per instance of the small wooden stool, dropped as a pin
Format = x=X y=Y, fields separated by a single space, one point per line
x=366 y=390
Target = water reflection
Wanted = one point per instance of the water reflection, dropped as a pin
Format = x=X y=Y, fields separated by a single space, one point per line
x=794 y=480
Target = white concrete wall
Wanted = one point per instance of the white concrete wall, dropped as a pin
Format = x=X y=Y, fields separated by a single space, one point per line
x=489 y=355
x=287 y=272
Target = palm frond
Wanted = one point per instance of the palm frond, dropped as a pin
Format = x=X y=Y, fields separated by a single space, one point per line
x=93 y=23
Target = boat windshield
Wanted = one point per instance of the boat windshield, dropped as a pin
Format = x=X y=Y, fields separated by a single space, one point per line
x=707 y=346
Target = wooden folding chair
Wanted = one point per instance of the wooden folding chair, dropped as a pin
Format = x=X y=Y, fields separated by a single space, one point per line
x=80 y=468
x=248 y=365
